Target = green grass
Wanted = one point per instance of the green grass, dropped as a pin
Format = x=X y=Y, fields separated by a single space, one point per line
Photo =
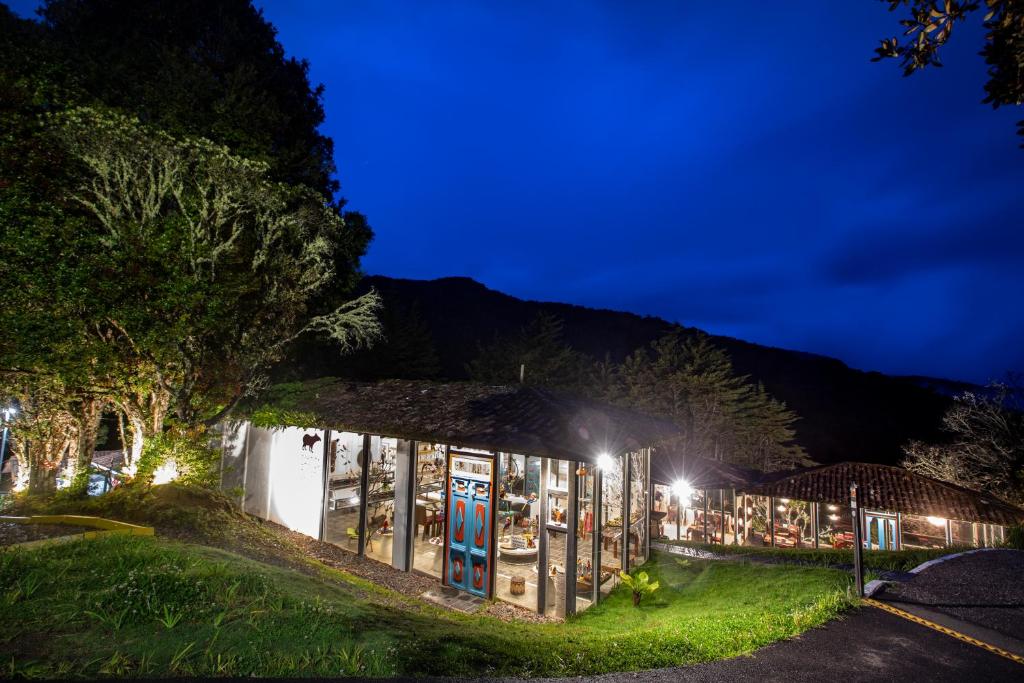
x=154 y=607
x=874 y=560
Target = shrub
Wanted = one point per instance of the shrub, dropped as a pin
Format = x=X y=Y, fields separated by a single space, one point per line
x=640 y=584
x=1015 y=537
x=188 y=454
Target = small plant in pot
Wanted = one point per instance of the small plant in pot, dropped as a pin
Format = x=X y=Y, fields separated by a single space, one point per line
x=640 y=584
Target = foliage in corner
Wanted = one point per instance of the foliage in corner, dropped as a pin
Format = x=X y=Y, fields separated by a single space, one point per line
x=640 y=584
x=930 y=26
x=1015 y=537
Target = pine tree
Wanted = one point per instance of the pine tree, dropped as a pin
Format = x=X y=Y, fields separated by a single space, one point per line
x=540 y=350
x=723 y=416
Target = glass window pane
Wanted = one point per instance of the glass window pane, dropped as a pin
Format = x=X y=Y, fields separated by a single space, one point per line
x=638 y=502
x=344 y=471
x=428 y=510
x=835 y=526
x=518 y=521
x=611 y=523
x=585 y=527
x=793 y=528
x=922 y=532
x=757 y=520
x=382 y=498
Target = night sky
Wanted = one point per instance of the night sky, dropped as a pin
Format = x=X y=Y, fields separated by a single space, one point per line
x=739 y=167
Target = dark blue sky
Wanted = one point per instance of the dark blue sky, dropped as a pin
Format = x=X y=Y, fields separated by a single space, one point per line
x=739 y=167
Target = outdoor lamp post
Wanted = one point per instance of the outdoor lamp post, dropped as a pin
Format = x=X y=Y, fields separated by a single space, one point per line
x=858 y=542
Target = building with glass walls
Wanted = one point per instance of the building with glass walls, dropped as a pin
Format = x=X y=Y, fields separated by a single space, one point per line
x=514 y=493
x=714 y=502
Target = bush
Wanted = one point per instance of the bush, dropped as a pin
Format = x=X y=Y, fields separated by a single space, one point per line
x=640 y=584
x=1015 y=537
x=185 y=456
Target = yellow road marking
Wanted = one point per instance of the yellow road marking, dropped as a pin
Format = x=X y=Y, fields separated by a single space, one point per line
x=944 y=629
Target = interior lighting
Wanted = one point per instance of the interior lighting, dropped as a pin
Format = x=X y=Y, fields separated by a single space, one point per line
x=937 y=521
x=605 y=462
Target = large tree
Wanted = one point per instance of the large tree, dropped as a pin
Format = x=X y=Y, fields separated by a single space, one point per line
x=221 y=267
x=538 y=354
x=161 y=273
x=985 y=451
x=928 y=24
x=723 y=416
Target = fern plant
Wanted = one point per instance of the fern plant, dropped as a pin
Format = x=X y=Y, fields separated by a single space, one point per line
x=640 y=584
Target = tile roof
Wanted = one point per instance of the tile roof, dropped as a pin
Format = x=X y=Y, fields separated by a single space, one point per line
x=519 y=419
x=894 y=489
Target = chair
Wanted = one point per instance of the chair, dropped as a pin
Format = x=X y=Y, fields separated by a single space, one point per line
x=353 y=535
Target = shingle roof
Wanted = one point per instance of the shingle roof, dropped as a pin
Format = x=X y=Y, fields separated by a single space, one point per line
x=883 y=487
x=519 y=419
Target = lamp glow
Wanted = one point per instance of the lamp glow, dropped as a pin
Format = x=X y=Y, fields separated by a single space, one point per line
x=937 y=521
x=166 y=473
x=682 y=488
x=605 y=462
x=781 y=508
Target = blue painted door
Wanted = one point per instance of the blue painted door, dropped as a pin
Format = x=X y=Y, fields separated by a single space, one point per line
x=881 y=532
x=469 y=535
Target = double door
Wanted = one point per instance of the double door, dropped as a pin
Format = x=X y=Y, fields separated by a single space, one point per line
x=470 y=528
x=881 y=531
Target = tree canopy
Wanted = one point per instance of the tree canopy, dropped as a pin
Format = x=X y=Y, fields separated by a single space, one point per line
x=169 y=224
x=985 y=450
x=930 y=25
x=682 y=376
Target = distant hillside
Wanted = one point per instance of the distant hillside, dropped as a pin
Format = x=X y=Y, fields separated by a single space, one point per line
x=846 y=414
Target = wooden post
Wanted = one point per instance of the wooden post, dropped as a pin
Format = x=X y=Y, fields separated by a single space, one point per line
x=705 y=515
x=598 y=529
x=571 y=550
x=858 y=544
x=814 y=523
x=543 y=570
x=735 y=521
x=626 y=512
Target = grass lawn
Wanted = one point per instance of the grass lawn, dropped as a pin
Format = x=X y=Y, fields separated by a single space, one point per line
x=157 y=607
x=874 y=560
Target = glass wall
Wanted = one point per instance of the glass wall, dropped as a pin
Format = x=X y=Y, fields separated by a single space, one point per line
x=663 y=514
x=638 y=502
x=611 y=523
x=344 y=472
x=794 y=527
x=962 y=533
x=518 y=524
x=693 y=516
x=728 y=517
x=586 y=528
x=835 y=526
x=386 y=499
x=758 y=518
x=428 y=509
x=922 y=532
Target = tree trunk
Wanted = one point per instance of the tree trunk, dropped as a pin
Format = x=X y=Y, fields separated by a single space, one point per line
x=41 y=479
x=90 y=412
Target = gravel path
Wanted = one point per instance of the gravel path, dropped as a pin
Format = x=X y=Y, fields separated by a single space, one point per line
x=407 y=583
x=985 y=588
x=11 y=532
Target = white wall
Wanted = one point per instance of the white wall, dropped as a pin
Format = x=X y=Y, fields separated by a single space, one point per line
x=296 y=481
